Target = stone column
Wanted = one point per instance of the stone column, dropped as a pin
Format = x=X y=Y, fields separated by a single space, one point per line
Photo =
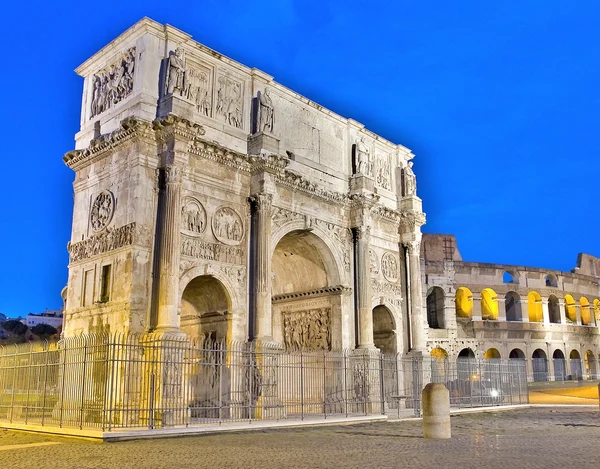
x=563 y=313
x=263 y=204
x=501 y=309
x=416 y=297
x=524 y=310
x=363 y=282
x=545 y=312
x=168 y=290
x=476 y=314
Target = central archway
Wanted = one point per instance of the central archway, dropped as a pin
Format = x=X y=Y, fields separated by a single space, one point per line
x=384 y=330
x=303 y=268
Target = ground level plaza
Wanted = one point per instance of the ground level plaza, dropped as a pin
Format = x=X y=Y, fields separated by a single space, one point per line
x=529 y=438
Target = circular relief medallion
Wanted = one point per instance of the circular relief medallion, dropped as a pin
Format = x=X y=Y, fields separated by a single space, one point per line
x=389 y=267
x=227 y=226
x=102 y=211
x=193 y=217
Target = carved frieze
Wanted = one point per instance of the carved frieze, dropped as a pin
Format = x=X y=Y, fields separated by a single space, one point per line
x=102 y=211
x=307 y=330
x=107 y=241
x=341 y=234
x=194 y=247
x=235 y=274
x=230 y=101
x=227 y=226
x=386 y=288
x=193 y=217
x=282 y=216
x=113 y=84
x=383 y=176
x=389 y=267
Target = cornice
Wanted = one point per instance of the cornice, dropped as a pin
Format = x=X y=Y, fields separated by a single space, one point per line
x=326 y=291
x=131 y=127
x=175 y=126
x=295 y=181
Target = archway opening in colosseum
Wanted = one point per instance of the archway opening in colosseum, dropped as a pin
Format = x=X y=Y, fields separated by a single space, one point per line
x=586 y=312
x=516 y=354
x=205 y=306
x=560 y=368
x=384 y=330
x=489 y=304
x=570 y=309
x=551 y=280
x=534 y=307
x=466 y=368
x=591 y=366
x=435 y=308
x=575 y=362
x=466 y=353
x=512 y=305
x=464 y=303
x=492 y=354
x=439 y=353
x=509 y=277
x=553 y=309
x=539 y=364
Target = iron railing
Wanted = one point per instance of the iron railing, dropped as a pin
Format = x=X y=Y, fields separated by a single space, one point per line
x=150 y=381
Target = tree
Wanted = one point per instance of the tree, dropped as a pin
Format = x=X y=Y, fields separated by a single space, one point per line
x=43 y=330
x=14 y=326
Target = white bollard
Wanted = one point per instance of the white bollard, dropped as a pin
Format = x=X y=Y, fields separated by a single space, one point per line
x=436 y=411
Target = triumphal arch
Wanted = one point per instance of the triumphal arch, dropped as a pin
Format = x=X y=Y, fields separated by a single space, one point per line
x=211 y=201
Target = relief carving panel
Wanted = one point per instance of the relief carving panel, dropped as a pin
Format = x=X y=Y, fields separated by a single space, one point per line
x=107 y=241
x=193 y=247
x=227 y=226
x=389 y=267
x=103 y=209
x=307 y=330
x=230 y=101
x=193 y=217
x=113 y=84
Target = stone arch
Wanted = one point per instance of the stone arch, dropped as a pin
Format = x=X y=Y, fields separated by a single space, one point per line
x=435 y=308
x=492 y=354
x=534 y=307
x=466 y=353
x=206 y=309
x=331 y=250
x=540 y=365
x=551 y=280
x=509 y=277
x=596 y=309
x=233 y=290
x=512 y=306
x=591 y=365
x=560 y=368
x=489 y=304
x=553 y=309
x=570 y=309
x=586 y=312
x=516 y=354
x=384 y=330
x=438 y=353
x=464 y=303
x=575 y=362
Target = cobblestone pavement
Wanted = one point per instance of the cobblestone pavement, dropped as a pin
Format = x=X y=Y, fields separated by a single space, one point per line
x=526 y=438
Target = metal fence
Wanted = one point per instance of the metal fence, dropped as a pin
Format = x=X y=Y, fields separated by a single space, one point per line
x=150 y=381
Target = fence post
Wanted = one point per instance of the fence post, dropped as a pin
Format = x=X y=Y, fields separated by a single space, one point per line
x=345 y=390
x=27 y=382
x=62 y=386
x=81 y=410
x=324 y=383
x=301 y=385
x=151 y=403
x=112 y=380
x=381 y=383
x=221 y=361
x=250 y=372
x=12 y=398
x=45 y=382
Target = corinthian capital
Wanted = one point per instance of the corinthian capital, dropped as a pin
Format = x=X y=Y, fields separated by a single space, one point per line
x=262 y=201
x=173 y=174
x=363 y=232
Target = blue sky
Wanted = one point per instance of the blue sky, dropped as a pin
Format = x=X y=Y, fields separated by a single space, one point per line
x=498 y=100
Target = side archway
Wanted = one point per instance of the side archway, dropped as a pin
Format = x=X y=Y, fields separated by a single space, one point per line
x=516 y=354
x=570 y=309
x=540 y=365
x=575 y=362
x=591 y=365
x=435 y=308
x=384 y=330
x=492 y=354
x=489 y=304
x=553 y=309
x=586 y=312
x=560 y=367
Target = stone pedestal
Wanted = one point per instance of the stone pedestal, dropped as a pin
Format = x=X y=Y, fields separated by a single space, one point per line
x=261 y=143
x=436 y=411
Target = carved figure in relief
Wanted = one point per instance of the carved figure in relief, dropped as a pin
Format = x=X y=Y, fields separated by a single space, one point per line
x=227 y=226
x=374 y=264
x=193 y=216
x=307 y=330
x=362 y=157
x=389 y=267
x=229 y=102
x=410 y=181
x=383 y=173
x=102 y=211
x=176 y=72
x=266 y=112
x=113 y=83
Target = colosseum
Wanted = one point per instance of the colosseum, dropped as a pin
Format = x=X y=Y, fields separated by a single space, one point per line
x=494 y=311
